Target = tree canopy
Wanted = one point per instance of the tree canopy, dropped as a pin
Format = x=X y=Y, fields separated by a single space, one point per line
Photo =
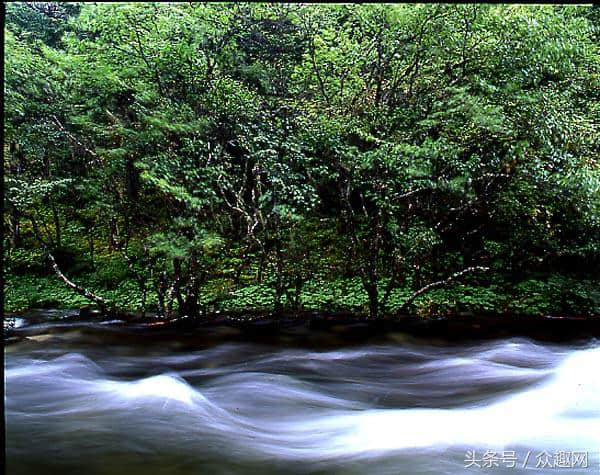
x=196 y=156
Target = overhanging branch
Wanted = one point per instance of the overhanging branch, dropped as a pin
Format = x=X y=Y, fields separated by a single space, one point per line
x=77 y=288
x=440 y=283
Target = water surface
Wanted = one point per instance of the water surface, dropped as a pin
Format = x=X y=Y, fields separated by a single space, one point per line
x=77 y=402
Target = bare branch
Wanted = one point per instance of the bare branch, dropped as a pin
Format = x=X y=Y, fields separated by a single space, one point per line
x=440 y=283
x=90 y=152
x=77 y=288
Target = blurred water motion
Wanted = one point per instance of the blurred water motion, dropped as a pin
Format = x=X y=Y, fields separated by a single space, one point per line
x=413 y=407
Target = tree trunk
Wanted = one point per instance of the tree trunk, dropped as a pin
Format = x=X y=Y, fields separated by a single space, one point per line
x=144 y=291
x=298 y=294
x=16 y=167
x=161 y=291
x=190 y=301
x=373 y=294
x=280 y=283
x=261 y=268
x=372 y=271
x=15 y=227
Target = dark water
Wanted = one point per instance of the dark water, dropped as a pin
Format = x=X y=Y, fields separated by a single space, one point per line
x=75 y=404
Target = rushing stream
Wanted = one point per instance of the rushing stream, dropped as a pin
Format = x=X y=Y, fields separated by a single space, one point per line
x=76 y=404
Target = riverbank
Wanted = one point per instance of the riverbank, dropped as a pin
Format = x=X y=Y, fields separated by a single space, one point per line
x=535 y=295
x=305 y=328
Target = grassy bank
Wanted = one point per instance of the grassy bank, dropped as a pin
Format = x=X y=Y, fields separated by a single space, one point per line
x=555 y=295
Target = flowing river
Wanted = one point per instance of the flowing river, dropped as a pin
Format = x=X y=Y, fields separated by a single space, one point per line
x=78 y=402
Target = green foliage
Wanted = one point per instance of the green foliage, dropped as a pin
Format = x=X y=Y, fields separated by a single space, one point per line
x=180 y=156
x=23 y=292
x=557 y=294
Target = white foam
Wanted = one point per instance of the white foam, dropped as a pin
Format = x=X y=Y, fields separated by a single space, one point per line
x=548 y=415
x=245 y=409
x=164 y=387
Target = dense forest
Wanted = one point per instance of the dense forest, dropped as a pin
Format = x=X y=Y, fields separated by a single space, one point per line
x=183 y=159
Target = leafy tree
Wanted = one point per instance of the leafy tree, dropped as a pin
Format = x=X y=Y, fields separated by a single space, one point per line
x=207 y=147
